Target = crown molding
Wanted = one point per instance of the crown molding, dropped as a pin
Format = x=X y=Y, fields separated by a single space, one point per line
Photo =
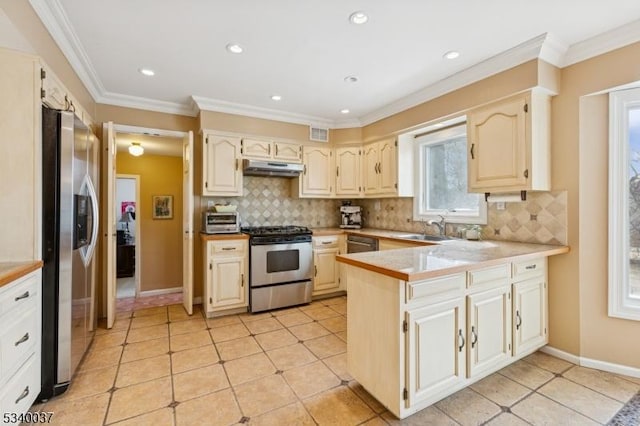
x=602 y=43
x=138 y=102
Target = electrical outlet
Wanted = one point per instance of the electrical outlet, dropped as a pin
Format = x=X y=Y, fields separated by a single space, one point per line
x=376 y=206
x=500 y=205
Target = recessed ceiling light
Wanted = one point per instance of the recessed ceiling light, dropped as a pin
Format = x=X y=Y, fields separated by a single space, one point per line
x=234 y=48
x=276 y=97
x=351 y=79
x=358 y=18
x=452 y=54
x=345 y=111
x=147 y=72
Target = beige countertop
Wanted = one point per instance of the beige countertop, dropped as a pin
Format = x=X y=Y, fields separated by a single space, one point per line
x=373 y=232
x=218 y=237
x=11 y=271
x=446 y=257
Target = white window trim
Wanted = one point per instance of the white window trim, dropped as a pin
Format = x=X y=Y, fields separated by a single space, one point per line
x=449 y=216
x=620 y=304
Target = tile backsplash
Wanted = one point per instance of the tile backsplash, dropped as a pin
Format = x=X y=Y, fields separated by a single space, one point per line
x=268 y=201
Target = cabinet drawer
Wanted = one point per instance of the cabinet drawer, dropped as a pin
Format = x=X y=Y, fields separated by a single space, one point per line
x=436 y=289
x=20 y=293
x=18 y=340
x=227 y=247
x=328 y=241
x=20 y=392
x=489 y=274
x=529 y=268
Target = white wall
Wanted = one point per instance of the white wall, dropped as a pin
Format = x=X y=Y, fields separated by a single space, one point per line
x=125 y=191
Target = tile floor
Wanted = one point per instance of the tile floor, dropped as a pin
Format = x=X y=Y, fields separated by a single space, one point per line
x=158 y=367
x=125 y=287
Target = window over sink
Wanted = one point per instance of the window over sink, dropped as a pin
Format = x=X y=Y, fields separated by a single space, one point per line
x=441 y=177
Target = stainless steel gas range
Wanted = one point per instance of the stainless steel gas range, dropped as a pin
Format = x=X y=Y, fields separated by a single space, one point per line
x=280 y=266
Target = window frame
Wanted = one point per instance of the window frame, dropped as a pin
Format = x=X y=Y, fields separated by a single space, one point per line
x=620 y=303
x=434 y=137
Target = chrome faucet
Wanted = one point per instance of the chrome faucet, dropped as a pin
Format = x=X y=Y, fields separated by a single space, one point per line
x=440 y=224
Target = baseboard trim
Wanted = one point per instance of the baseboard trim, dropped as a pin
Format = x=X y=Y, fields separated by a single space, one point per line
x=197 y=300
x=592 y=363
x=160 y=291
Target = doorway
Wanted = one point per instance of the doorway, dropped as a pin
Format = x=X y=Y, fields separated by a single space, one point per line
x=127 y=252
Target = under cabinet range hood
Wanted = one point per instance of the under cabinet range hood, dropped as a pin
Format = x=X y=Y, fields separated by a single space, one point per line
x=271 y=168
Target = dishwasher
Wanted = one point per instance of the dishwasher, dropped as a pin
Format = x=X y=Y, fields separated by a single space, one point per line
x=359 y=244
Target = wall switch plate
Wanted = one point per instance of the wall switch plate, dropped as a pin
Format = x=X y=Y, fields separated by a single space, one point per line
x=500 y=205
x=376 y=205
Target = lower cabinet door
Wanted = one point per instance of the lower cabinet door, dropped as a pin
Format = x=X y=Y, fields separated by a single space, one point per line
x=435 y=349
x=325 y=270
x=228 y=281
x=529 y=314
x=488 y=330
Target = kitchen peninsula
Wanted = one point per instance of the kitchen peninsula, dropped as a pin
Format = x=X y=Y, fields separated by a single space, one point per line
x=425 y=322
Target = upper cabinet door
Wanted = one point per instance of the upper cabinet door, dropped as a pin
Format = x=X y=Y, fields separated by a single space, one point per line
x=387 y=167
x=256 y=148
x=222 y=174
x=317 y=178
x=348 y=171
x=371 y=175
x=284 y=151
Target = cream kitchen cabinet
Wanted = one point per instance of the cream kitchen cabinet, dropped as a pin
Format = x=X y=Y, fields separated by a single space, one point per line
x=226 y=275
x=384 y=244
x=348 y=172
x=262 y=149
x=508 y=145
x=530 y=318
x=326 y=271
x=317 y=177
x=222 y=174
x=380 y=168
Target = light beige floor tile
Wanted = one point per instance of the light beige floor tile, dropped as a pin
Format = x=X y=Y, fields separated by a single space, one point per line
x=338 y=364
x=376 y=421
x=124 y=315
x=291 y=356
x=92 y=382
x=265 y=394
x=527 y=374
x=230 y=332
x=507 y=419
x=468 y=408
x=146 y=349
x=368 y=399
x=429 y=416
x=238 y=348
x=101 y=358
x=178 y=313
x=162 y=417
x=635 y=380
x=138 y=399
x=338 y=406
x=342 y=335
x=189 y=326
x=326 y=346
x=296 y=318
x=263 y=325
x=581 y=399
x=156 y=310
x=86 y=411
x=120 y=324
x=285 y=311
x=148 y=321
x=313 y=305
x=309 y=331
x=143 y=370
x=341 y=309
x=219 y=408
x=335 y=301
x=190 y=340
x=276 y=339
x=198 y=382
x=600 y=381
x=103 y=341
x=321 y=313
x=539 y=410
x=249 y=368
x=294 y=414
x=548 y=362
x=501 y=390
x=223 y=321
x=335 y=324
x=193 y=358
x=248 y=317
x=148 y=333
x=310 y=379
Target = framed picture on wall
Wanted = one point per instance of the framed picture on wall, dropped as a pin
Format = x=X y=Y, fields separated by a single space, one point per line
x=163 y=206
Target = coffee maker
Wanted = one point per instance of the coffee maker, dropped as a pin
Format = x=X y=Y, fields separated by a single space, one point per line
x=351 y=217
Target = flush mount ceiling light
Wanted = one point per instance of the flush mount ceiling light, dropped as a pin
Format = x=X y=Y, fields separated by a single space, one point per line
x=276 y=97
x=136 y=149
x=345 y=111
x=452 y=54
x=351 y=79
x=234 y=48
x=147 y=72
x=358 y=18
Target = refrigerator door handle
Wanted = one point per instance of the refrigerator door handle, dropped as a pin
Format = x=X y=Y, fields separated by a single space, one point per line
x=95 y=220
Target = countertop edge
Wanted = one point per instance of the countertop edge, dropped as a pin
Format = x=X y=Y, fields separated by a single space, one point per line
x=11 y=271
x=219 y=237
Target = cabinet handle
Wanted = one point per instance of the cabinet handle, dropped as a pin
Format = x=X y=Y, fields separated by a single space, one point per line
x=22 y=296
x=316 y=271
x=530 y=267
x=242 y=280
x=236 y=164
x=276 y=150
x=269 y=150
x=460 y=337
x=337 y=171
x=326 y=242
x=474 y=337
x=473 y=157
x=23 y=395
x=22 y=339
x=380 y=168
x=518 y=320
x=305 y=170
x=526 y=173
x=228 y=248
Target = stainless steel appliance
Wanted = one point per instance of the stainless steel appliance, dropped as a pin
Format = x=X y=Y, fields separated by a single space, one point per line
x=359 y=244
x=280 y=266
x=271 y=168
x=220 y=223
x=351 y=217
x=70 y=230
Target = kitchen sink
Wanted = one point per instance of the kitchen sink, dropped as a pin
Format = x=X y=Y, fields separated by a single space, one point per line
x=421 y=237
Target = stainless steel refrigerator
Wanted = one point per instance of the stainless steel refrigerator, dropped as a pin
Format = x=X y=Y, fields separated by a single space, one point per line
x=70 y=225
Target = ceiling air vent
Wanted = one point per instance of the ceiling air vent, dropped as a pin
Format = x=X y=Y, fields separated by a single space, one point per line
x=318 y=134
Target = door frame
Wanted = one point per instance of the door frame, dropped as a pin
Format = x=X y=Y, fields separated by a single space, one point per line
x=138 y=274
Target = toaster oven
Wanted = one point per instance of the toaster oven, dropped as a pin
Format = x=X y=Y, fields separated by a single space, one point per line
x=220 y=223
